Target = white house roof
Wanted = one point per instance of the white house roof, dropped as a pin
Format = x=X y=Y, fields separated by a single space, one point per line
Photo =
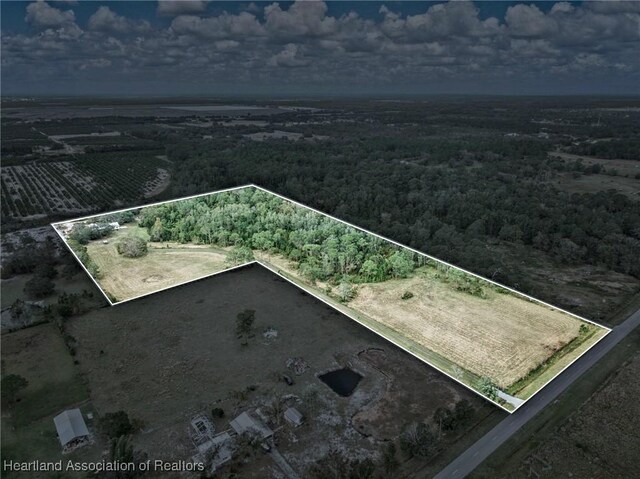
x=70 y=425
x=246 y=423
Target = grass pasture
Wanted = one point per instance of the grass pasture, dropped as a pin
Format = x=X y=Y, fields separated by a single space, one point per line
x=28 y=431
x=165 y=265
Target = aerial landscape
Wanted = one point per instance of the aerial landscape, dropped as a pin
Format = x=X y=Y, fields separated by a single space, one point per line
x=320 y=239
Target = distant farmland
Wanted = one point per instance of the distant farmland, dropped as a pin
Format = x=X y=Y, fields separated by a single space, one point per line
x=94 y=181
x=499 y=343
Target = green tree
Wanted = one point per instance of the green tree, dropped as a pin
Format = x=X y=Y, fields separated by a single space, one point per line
x=39 y=287
x=240 y=255
x=401 y=264
x=488 y=388
x=157 y=231
x=418 y=440
x=115 y=424
x=132 y=247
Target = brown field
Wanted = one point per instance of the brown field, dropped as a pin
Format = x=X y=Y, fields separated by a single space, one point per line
x=501 y=337
x=166 y=265
x=164 y=358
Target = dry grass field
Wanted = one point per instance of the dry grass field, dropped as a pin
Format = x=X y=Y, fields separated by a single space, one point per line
x=501 y=336
x=166 y=265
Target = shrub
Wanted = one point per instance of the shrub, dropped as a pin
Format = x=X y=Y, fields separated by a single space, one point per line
x=407 y=295
x=217 y=412
x=132 y=247
x=115 y=424
x=39 y=287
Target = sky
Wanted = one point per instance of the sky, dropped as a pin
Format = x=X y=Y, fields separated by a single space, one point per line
x=314 y=48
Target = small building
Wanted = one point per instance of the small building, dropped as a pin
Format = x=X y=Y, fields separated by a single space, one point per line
x=293 y=416
x=218 y=450
x=246 y=423
x=71 y=428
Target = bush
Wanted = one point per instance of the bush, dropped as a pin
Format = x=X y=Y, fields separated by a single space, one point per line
x=217 y=412
x=407 y=295
x=132 y=247
x=115 y=424
x=39 y=287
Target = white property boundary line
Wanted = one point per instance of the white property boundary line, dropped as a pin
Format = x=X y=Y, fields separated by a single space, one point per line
x=529 y=298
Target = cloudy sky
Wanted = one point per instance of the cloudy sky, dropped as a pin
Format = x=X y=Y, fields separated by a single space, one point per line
x=319 y=48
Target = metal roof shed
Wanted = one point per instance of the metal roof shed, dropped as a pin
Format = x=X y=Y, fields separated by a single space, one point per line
x=70 y=425
x=294 y=416
x=246 y=423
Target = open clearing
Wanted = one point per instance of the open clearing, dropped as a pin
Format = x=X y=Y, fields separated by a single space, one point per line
x=181 y=357
x=516 y=335
x=166 y=264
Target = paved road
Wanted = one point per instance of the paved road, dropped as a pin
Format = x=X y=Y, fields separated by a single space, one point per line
x=474 y=455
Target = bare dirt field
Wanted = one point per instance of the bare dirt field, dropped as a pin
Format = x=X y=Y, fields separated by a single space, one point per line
x=166 y=357
x=165 y=265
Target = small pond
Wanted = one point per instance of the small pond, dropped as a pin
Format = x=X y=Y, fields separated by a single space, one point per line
x=343 y=381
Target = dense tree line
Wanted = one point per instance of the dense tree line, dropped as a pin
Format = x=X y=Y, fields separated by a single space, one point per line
x=324 y=249
x=448 y=198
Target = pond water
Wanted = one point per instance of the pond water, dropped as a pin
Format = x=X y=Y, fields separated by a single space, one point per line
x=342 y=381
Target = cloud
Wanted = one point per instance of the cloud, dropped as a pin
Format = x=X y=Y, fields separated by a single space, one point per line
x=106 y=20
x=242 y=25
x=290 y=56
x=303 y=44
x=301 y=18
x=529 y=21
x=179 y=7
x=42 y=15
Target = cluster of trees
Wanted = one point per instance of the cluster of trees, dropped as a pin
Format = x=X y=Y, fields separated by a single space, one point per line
x=251 y=219
x=83 y=233
x=422 y=439
x=625 y=149
x=452 y=197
